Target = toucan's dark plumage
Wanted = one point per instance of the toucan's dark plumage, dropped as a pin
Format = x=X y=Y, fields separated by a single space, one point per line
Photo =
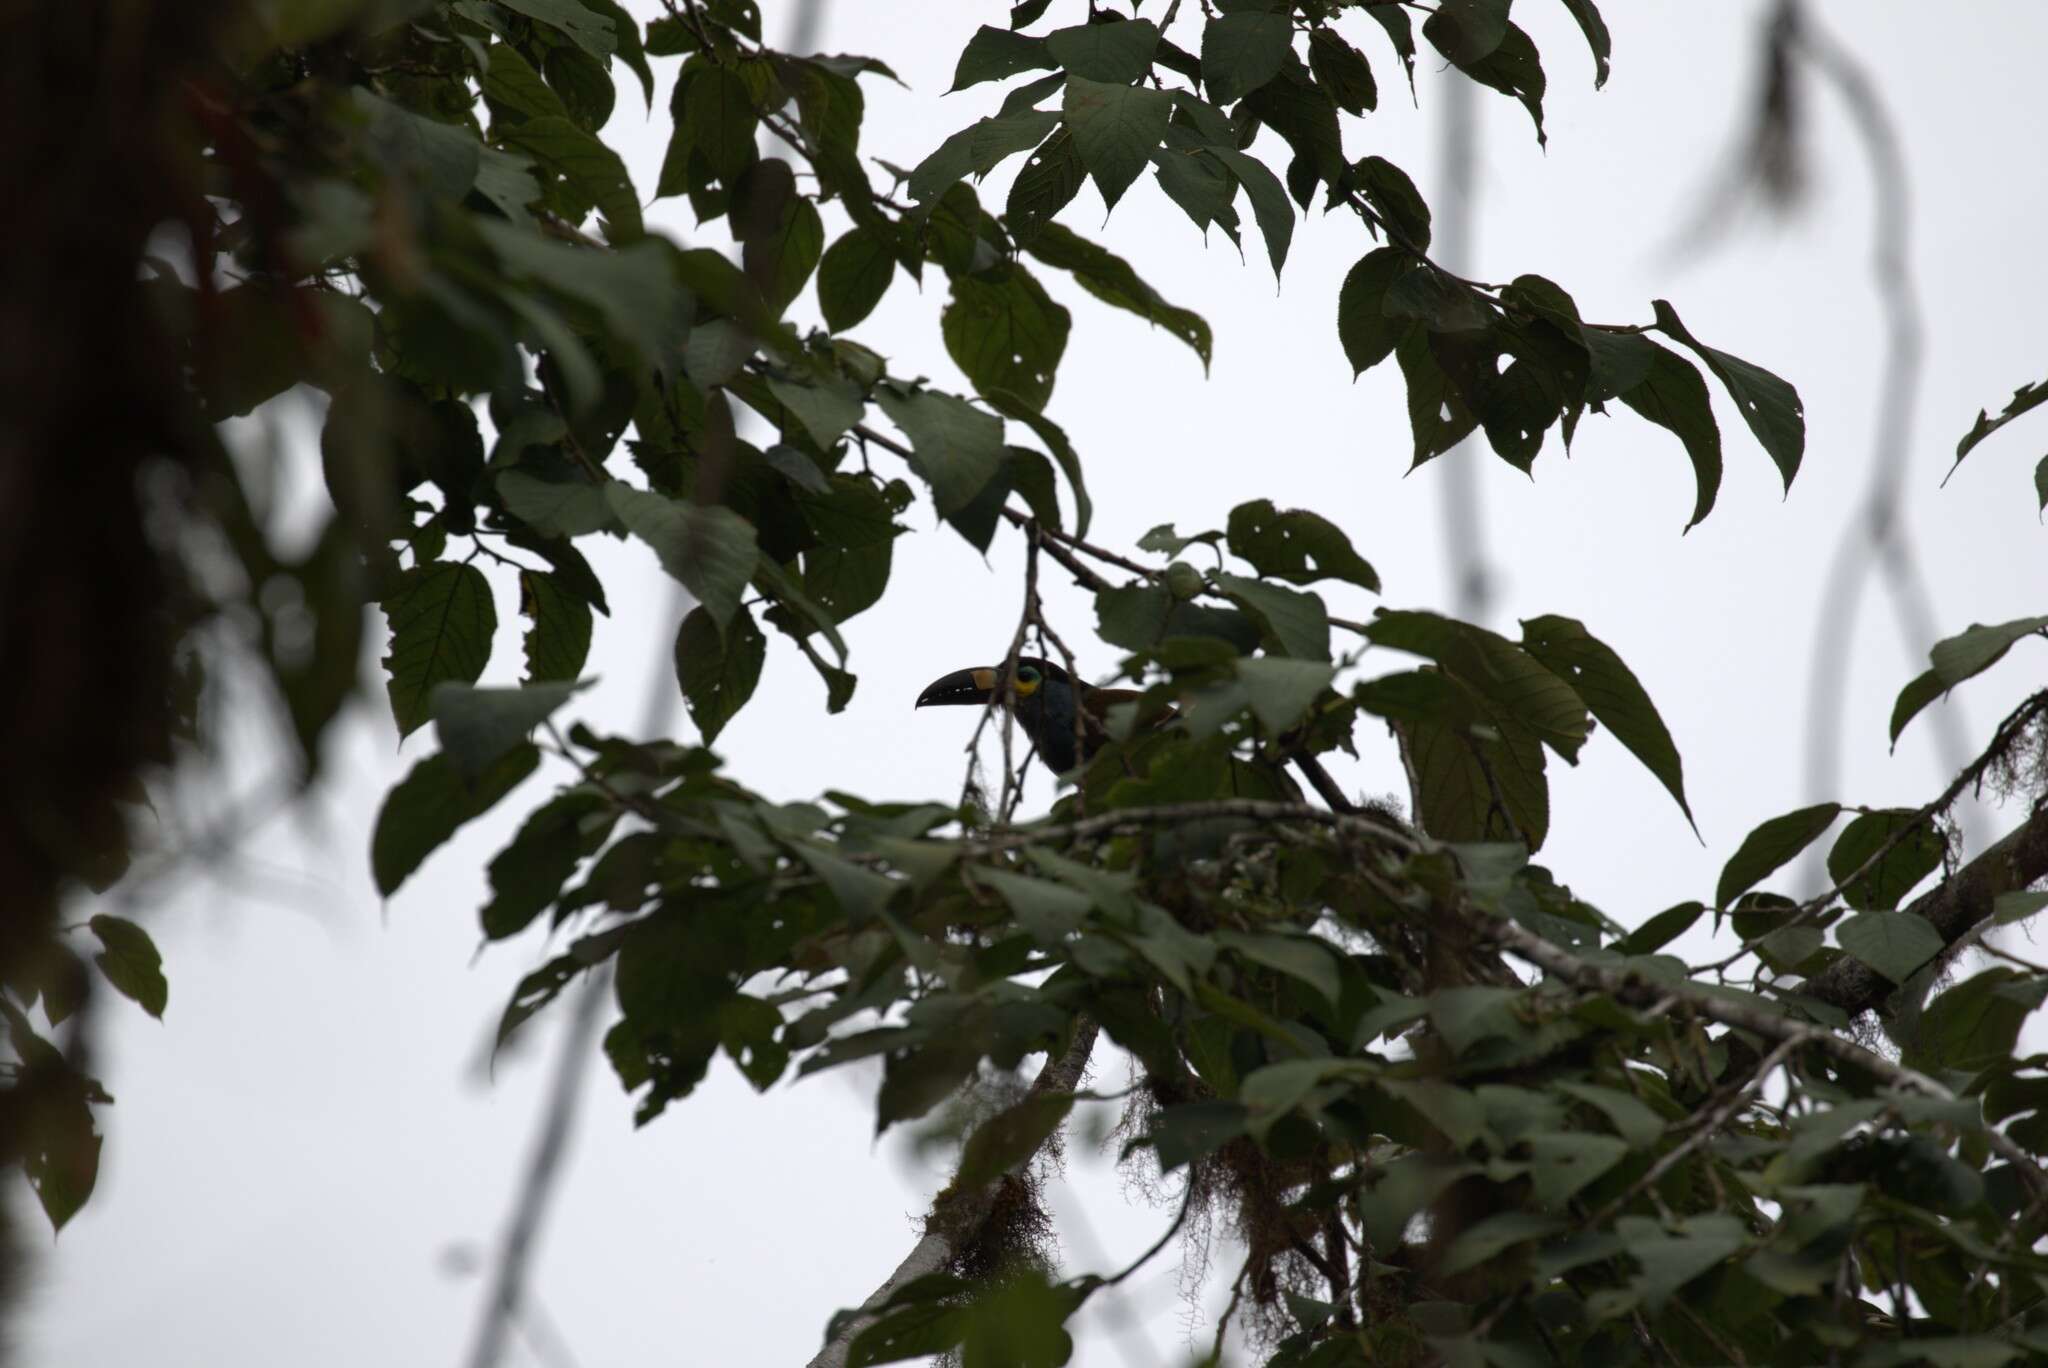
x=1043 y=697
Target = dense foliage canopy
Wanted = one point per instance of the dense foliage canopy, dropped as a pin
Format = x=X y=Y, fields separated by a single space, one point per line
x=1454 y=1112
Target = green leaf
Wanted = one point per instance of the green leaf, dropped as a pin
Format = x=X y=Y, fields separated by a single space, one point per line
x=633 y=288
x=1242 y=51
x=441 y=157
x=1342 y=70
x=511 y=80
x=1561 y=1163
x=592 y=168
x=1006 y=334
x=1394 y=198
x=558 y=642
x=1513 y=68
x=1975 y=1024
x=1296 y=620
x=1296 y=545
x=130 y=961
x=1670 y=1261
x=2041 y=483
x=1194 y=1130
x=826 y=404
x=442 y=620
x=2024 y=399
x=853 y=275
x=1916 y=855
x=1466 y=31
x=430 y=804
x=1511 y=678
x=591 y=32
x=1280 y=691
x=554 y=508
x=1055 y=439
x=476 y=727
x=1613 y=695
x=1770 y=847
x=1631 y=1119
x=957 y=447
x=1110 y=279
x=1672 y=395
x=527 y=875
x=1893 y=943
x=2008 y=908
x=1307 y=958
x=627 y=31
x=1661 y=930
x=1496 y=1234
x=718 y=669
x=1924 y=689
x=709 y=550
x=1476 y=788
x=975 y=151
x=1595 y=29
x=1769 y=405
x=1118 y=52
x=719 y=118
x=781 y=262
x=1394 y=20
x=1046 y=185
x=1270 y=205
x=1368 y=333
x=1971 y=652
x=1115 y=128
x=994 y=54
x=1007 y=1140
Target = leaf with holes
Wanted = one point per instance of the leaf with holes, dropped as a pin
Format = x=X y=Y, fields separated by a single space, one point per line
x=1296 y=545
x=1006 y=334
x=1111 y=279
x=718 y=669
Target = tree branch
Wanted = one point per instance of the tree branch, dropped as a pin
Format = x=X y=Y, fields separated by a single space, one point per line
x=1955 y=908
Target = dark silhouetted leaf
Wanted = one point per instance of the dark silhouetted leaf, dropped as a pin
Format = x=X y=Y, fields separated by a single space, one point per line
x=1613 y=695
x=717 y=670
x=853 y=275
x=477 y=726
x=708 y=550
x=442 y=619
x=1296 y=545
x=994 y=54
x=1110 y=279
x=1118 y=52
x=1242 y=51
x=130 y=962
x=558 y=641
x=1115 y=129
x=1770 y=847
x=430 y=803
x=1916 y=855
x=1672 y=395
x=1769 y=405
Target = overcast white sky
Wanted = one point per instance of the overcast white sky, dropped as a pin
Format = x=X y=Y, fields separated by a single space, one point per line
x=307 y=1132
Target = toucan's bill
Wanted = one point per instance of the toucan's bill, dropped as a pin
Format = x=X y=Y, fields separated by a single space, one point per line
x=975 y=686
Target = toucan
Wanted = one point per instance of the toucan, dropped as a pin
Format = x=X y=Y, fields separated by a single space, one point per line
x=1043 y=697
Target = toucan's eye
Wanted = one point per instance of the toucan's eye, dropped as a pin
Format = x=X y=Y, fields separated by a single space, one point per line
x=1027 y=674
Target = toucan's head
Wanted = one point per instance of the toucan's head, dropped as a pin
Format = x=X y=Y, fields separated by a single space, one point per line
x=983 y=683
